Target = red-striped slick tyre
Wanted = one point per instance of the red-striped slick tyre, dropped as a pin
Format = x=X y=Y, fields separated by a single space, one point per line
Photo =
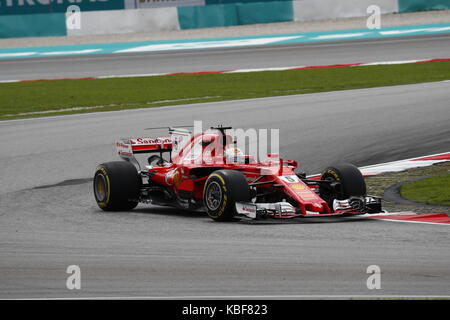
x=222 y=190
x=116 y=186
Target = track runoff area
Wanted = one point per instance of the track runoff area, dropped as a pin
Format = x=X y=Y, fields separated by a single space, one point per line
x=288 y=68
x=397 y=166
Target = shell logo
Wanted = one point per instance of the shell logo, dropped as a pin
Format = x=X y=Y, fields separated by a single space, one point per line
x=173 y=177
x=176 y=178
x=298 y=186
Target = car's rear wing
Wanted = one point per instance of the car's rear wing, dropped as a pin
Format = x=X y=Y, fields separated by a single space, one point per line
x=130 y=146
x=127 y=147
x=149 y=145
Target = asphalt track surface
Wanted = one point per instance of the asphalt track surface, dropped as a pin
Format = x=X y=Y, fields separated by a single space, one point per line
x=323 y=53
x=164 y=252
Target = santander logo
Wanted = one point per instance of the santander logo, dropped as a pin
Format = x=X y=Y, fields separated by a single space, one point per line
x=151 y=140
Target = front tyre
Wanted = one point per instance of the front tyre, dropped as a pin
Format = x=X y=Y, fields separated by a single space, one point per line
x=116 y=186
x=345 y=181
x=222 y=190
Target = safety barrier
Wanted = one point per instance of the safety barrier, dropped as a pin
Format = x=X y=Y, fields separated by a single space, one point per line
x=232 y=14
x=126 y=21
x=307 y=10
x=47 y=18
x=422 y=5
x=19 y=7
x=33 y=25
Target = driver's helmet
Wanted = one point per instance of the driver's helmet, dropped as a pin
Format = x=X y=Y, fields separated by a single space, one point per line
x=233 y=154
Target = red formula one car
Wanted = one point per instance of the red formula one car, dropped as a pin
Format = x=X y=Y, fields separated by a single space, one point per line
x=207 y=172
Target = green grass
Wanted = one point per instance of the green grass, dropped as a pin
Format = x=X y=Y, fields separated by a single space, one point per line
x=18 y=100
x=434 y=190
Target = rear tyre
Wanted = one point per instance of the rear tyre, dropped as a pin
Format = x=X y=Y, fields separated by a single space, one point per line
x=116 y=186
x=346 y=181
x=222 y=190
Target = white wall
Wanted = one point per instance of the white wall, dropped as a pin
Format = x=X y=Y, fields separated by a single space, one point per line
x=305 y=10
x=127 y=21
x=166 y=19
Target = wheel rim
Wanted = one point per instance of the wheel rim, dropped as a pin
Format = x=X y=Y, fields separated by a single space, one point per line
x=213 y=196
x=100 y=187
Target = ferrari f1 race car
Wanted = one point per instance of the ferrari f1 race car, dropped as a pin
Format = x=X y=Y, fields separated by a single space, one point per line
x=206 y=171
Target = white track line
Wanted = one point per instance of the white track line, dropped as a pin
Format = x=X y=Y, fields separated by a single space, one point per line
x=409 y=221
